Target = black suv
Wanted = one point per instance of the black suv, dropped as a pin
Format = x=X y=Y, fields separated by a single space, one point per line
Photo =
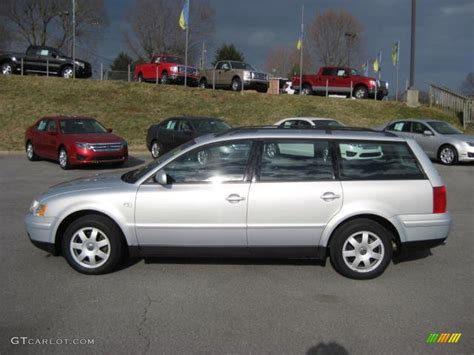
x=44 y=60
x=175 y=131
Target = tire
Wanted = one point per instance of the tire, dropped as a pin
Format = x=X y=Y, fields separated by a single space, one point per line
x=307 y=90
x=203 y=84
x=236 y=84
x=7 y=68
x=156 y=149
x=140 y=78
x=164 y=78
x=447 y=155
x=93 y=245
x=67 y=72
x=360 y=92
x=353 y=252
x=63 y=159
x=30 y=152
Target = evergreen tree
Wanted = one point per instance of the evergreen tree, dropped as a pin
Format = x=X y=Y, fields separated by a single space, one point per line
x=121 y=62
x=228 y=52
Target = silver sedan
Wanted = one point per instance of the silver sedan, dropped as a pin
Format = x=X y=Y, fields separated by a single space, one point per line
x=438 y=139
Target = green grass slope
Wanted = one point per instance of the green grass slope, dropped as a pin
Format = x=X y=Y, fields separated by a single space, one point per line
x=130 y=108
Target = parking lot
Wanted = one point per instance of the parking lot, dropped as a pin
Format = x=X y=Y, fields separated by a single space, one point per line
x=230 y=306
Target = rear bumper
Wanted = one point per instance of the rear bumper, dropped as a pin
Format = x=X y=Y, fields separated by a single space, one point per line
x=425 y=229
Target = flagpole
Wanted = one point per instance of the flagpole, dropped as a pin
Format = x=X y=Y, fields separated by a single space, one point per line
x=380 y=65
x=398 y=67
x=301 y=50
x=186 y=57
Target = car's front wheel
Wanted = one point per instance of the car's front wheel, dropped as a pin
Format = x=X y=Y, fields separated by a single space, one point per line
x=156 y=149
x=361 y=249
x=361 y=92
x=306 y=90
x=63 y=159
x=93 y=245
x=67 y=72
x=164 y=78
x=7 y=68
x=30 y=152
x=236 y=84
x=203 y=84
x=448 y=155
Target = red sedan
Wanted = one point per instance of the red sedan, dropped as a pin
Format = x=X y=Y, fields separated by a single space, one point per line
x=74 y=141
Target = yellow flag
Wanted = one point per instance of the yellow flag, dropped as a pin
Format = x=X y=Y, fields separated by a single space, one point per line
x=183 y=18
x=376 y=65
x=299 y=44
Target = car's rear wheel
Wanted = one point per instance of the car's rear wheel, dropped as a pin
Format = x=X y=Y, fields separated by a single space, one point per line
x=203 y=84
x=63 y=159
x=307 y=90
x=156 y=149
x=140 y=78
x=7 y=68
x=93 y=245
x=30 y=152
x=448 y=155
x=361 y=249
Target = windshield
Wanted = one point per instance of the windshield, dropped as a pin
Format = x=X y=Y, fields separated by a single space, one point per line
x=81 y=126
x=444 y=128
x=134 y=175
x=240 y=65
x=171 y=59
x=327 y=124
x=210 y=126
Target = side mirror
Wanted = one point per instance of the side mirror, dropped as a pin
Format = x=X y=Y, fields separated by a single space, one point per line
x=427 y=133
x=110 y=130
x=160 y=177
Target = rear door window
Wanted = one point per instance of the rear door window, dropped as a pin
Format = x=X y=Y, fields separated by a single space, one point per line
x=402 y=126
x=419 y=128
x=286 y=160
x=42 y=125
x=171 y=124
x=363 y=160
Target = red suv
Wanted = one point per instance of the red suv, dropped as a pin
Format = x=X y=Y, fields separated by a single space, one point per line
x=74 y=141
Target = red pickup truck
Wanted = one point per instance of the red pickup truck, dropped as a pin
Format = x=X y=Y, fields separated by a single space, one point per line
x=168 y=68
x=340 y=80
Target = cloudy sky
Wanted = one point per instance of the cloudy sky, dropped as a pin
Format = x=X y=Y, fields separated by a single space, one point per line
x=445 y=32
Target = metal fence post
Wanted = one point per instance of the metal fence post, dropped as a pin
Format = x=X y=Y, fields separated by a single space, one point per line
x=128 y=72
x=214 y=79
x=351 y=89
x=327 y=87
x=47 y=66
x=101 y=71
x=375 y=92
x=22 y=66
x=157 y=75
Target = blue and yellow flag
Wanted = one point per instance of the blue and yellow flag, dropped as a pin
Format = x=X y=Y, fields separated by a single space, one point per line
x=183 y=19
x=395 y=54
x=299 y=44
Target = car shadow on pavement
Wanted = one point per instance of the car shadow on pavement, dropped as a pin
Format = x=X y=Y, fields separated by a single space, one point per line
x=233 y=261
x=411 y=256
x=327 y=349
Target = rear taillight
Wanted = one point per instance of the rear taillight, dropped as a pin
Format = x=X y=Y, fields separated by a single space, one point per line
x=439 y=199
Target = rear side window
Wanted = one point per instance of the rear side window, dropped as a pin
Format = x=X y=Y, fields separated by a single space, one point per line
x=360 y=160
x=295 y=161
x=329 y=71
x=400 y=127
x=170 y=124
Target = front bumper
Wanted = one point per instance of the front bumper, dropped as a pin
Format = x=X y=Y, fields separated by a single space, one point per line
x=179 y=79
x=256 y=84
x=39 y=232
x=466 y=154
x=85 y=156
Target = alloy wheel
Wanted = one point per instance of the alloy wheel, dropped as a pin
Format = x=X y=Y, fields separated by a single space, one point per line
x=63 y=159
x=447 y=155
x=363 y=251
x=30 y=153
x=7 y=69
x=90 y=247
x=68 y=73
x=155 y=150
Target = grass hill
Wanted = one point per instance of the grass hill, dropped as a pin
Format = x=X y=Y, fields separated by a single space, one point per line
x=130 y=108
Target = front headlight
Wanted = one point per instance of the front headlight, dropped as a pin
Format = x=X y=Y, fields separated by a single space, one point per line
x=83 y=145
x=38 y=209
x=373 y=82
x=174 y=69
x=247 y=75
x=470 y=143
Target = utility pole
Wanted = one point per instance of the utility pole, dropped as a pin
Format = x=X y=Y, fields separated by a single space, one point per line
x=350 y=37
x=74 y=39
x=203 y=53
x=301 y=50
x=412 y=93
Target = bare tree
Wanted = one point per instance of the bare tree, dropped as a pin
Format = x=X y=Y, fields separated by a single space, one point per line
x=467 y=86
x=155 y=27
x=284 y=61
x=49 y=22
x=335 y=38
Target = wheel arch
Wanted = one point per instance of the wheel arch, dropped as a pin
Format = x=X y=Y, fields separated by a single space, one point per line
x=385 y=222
x=70 y=218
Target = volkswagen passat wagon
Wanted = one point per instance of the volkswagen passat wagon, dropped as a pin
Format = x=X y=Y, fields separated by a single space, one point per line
x=252 y=192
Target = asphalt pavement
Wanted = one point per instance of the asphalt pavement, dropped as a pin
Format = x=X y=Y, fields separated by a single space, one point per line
x=221 y=306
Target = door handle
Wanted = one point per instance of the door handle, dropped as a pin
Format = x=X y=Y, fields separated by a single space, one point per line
x=234 y=198
x=330 y=196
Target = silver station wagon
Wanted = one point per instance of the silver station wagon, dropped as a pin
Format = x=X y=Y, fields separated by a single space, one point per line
x=253 y=192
